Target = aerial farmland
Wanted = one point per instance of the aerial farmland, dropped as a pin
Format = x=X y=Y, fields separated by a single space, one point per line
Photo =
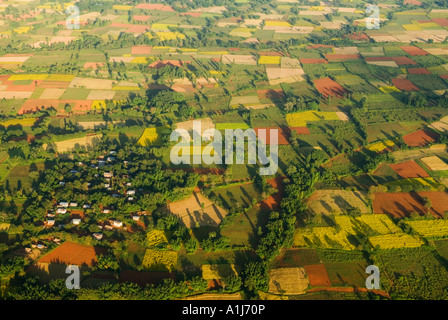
x=113 y=115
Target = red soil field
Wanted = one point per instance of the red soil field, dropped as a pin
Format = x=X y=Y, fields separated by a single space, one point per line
x=33 y=105
x=73 y=253
x=404 y=84
x=300 y=130
x=93 y=65
x=313 y=61
x=414 y=51
x=418 y=71
x=121 y=25
x=141 y=18
x=141 y=49
x=359 y=37
x=138 y=29
x=162 y=63
x=334 y=56
x=441 y=22
x=150 y=6
x=403 y=61
x=22 y=87
x=420 y=138
x=444 y=76
x=402 y=204
x=414 y=2
x=273 y=202
x=409 y=169
x=144 y=278
x=317 y=274
x=328 y=87
x=283 y=134
x=271 y=94
x=4 y=77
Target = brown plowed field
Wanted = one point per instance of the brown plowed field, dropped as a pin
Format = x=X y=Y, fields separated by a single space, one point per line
x=328 y=87
x=73 y=253
x=402 y=204
x=420 y=138
x=404 y=85
x=318 y=275
x=409 y=169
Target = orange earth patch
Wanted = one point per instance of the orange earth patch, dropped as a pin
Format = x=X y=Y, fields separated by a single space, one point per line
x=404 y=85
x=162 y=63
x=420 y=138
x=402 y=204
x=150 y=6
x=414 y=51
x=419 y=71
x=409 y=169
x=443 y=22
x=273 y=202
x=141 y=49
x=317 y=46
x=93 y=65
x=403 y=61
x=141 y=18
x=282 y=134
x=271 y=94
x=328 y=87
x=318 y=275
x=300 y=130
x=73 y=253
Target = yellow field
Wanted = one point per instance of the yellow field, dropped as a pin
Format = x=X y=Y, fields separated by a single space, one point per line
x=162 y=26
x=155 y=237
x=300 y=119
x=277 y=24
x=168 y=35
x=157 y=260
x=269 y=60
x=60 y=77
x=380 y=146
x=149 y=137
x=139 y=60
x=411 y=27
x=122 y=7
x=4 y=226
x=324 y=237
x=22 y=30
x=218 y=271
x=396 y=240
x=28 y=77
x=125 y=88
x=389 y=89
x=98 y=104
x=430 y=228
x=379 y=223
x=27 y=122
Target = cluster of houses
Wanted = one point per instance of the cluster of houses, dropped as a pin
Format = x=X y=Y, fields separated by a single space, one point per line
x=65 y=206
